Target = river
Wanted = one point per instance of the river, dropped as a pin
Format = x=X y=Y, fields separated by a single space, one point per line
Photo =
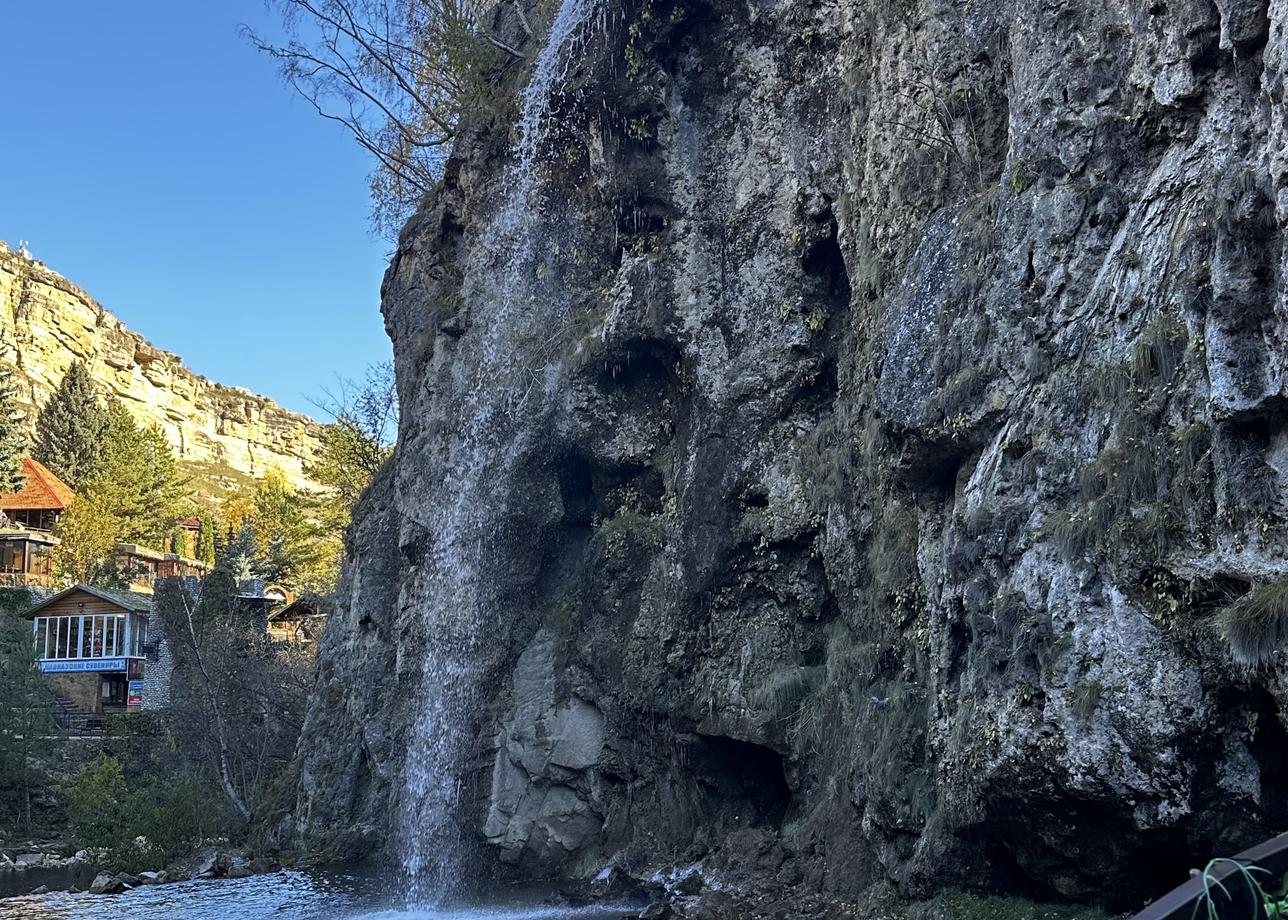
x=287 y=895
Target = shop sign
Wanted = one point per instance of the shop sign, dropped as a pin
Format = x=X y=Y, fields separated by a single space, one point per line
x=79 y=666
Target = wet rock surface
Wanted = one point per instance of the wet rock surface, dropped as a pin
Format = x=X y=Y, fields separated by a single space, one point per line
x=917 y=402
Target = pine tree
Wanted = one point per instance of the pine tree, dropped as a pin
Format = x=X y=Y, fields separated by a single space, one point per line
x=206 y=541
x=12 y=443
x=70 y=428
x=138 y=481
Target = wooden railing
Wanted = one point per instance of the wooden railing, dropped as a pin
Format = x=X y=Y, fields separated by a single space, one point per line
x=1225 y=887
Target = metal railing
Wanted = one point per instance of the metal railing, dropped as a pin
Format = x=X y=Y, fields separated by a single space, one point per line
x=1225 y=887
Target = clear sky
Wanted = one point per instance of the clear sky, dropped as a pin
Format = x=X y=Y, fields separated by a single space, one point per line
x=154 y=158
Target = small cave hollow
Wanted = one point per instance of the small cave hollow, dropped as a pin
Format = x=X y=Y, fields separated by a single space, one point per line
x=576 y=490
x=744 y=772
x=824 y=264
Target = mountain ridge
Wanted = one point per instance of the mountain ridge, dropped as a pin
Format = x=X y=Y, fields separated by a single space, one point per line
x=224 y=436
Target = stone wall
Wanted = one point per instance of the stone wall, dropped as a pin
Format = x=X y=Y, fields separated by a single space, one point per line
x=223 y=435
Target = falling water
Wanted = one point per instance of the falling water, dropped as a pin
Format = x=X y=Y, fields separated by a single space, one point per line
x=452 y=590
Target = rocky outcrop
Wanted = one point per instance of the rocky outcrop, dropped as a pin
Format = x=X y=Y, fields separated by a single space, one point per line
x=914 y=402
x=223 y=435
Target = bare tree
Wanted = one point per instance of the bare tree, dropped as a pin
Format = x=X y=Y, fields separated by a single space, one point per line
x=399 y=74
x=240 y=696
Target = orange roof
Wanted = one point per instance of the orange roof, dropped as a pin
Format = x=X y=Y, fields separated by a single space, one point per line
x=41 y=490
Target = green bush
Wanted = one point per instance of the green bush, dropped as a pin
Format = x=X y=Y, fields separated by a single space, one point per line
x=171 y=816
x=95 y=798
x=1256 y=625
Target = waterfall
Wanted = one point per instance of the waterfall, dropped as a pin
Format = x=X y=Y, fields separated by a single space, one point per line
x=451 y=589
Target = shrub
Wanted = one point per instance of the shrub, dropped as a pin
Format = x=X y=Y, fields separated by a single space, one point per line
x=1256 y=625
x=144 y=828
x=95 y=798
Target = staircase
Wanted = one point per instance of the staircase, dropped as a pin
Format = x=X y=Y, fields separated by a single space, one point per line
x=75 y=720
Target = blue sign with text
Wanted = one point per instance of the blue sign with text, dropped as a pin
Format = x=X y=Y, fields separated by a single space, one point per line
x=84 y=664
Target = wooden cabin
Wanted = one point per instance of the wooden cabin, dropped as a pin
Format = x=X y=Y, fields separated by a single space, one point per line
x=26 y=558
x=91 y=640
x=299 y=622
x=140 y=566
x=41 y=500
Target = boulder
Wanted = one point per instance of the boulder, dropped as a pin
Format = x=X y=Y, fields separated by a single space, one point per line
x=31 y=860
x=261 y=864
x=106 y=883
x=43 y=889
x=210 y=863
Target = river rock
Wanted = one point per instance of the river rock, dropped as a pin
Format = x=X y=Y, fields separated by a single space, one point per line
x=818 y=467
x=210 y=863
x=262 y=864
x=31 y=860
x=106 y=883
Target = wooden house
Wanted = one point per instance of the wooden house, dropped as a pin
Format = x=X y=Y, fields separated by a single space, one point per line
x=140 y=566
x=41 y=500
x=26 y=558
x=91 y=641
x=299 y=622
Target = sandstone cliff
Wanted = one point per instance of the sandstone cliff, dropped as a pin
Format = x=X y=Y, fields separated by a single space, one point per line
x=905 y=397
x=223 y=435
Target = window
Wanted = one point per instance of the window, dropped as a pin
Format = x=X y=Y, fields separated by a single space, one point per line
x=11 y=556
x=138 y=636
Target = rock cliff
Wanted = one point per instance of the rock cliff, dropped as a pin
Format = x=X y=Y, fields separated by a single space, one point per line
x=911 y=403
x=223 y=435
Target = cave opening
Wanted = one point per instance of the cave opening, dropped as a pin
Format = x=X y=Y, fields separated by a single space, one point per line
x=824 y=262
x=741 y=771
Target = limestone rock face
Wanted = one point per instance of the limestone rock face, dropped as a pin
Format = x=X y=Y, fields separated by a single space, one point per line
x=221 y=434
x=917 y=399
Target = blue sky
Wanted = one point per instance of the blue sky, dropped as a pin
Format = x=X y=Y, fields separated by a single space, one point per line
x=153 y=157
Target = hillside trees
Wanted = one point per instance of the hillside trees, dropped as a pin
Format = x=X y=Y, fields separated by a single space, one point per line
x=12 y=443
x=138 y=481
x=70 y=428
x=296 y=546
x=133 y=493
x=27 y=734
x=400 y=75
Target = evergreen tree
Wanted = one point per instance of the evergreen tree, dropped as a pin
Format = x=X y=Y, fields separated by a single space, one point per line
x=70 y=428
x=136 y=495
x=27 y=736
x=206 y=541
x=298 y=550
x=138 y=481
x=12 y=443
